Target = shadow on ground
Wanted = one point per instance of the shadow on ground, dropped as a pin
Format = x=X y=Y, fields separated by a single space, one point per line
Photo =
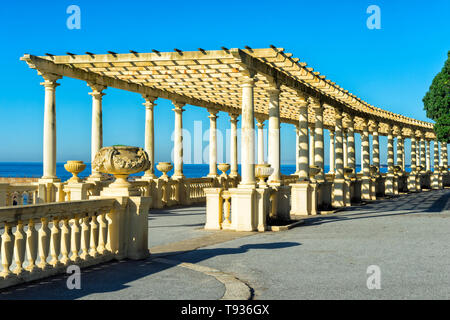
x=115 y=276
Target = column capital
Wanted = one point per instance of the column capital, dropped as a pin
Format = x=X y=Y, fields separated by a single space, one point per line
x=248 y=81
x=178 y=106
x=233 y=117
x=96 y=89
x=50 y=80
x=338 y=114
x=212 y=112
x=149 y=98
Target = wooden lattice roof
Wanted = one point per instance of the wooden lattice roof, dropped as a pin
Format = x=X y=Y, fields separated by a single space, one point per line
x=211 y=79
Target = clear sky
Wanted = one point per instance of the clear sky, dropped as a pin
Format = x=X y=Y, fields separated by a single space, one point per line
x=390 y=68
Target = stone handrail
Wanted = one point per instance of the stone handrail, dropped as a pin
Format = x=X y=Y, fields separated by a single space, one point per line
x=17 y=193
x=195 y=189
x=80 y=233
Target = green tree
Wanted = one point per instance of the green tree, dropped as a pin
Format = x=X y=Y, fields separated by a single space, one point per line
x=437 y=102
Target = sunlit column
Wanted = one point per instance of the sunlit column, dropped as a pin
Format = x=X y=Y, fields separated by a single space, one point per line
x=318 y=139
x=260 y=125
x=248 y=133
x=332 y=151
x=311 y=145
x=413 y=153
x=376 y=145
x=339 y=145
x=274 y=134
x=428 y=151
x=178 y=140
x=351 y=143
x=150 y=133
x=444 y=155
x=345 y=146
x=212 y=142
x=423 y=158
x=49 y=154
x=436 y=155
x=304 y=147
x=390 y=159
x=399 y=150
x=365 y=155
x=97 y=124
x=233 y=146
x=297 y=149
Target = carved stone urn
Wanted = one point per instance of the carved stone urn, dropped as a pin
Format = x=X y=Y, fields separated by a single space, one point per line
x=164 y=167
x=313 y=171
x=223 y=167
x=262 y=172
x=121 y=161
x=74 y=167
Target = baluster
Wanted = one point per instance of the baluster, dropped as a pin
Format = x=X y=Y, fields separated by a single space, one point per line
x=102 y=233
x=55 y=243
x=75 y=239
x=7 y=250
x=94 y=236
x=227 y=209
x=19 y=247
x=84 y=238
x=43 y=242
x=65 y=241
x=32 y=244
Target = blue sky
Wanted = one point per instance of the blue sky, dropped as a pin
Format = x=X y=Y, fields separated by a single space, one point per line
x=391 y=68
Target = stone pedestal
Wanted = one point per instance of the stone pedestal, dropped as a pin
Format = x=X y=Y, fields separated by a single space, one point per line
x=389 y=184
x=137 y=210
x=366 y=188
x=243 y=208
x=436 y=181
x=262 y=204
x=77 y=191
x=303 y=198
x=214 y=209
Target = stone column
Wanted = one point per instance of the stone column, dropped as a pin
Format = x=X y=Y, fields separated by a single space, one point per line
x=297 y=149
x=311 y=145
x=260 y=125
x=178 y=140
x=318 y=140
x=428 y=159
x=150 y=134
x=390 y=149
x=413 y=153
x=413 y=183
x=332 y=151
x=423 y=159
x=304 y=147
x=233 y=146
x=212 y=143
x=365 y=161
x=248 y=133
x=351 y=143
x=345 y=146
x=436 y=173
x=444 y=156
x=376 y=146
x=97 y=125
x=49 y=154
x=399 y=150
x=339 y=185
x=274 y=135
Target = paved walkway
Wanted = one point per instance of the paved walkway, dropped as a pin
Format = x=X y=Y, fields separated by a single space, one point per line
x=326 y=258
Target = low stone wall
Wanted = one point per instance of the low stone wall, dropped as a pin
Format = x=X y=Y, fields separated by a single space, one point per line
x=17 y=180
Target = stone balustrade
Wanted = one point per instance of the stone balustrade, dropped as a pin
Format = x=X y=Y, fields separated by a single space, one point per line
x=44 y=239
x=18 y=194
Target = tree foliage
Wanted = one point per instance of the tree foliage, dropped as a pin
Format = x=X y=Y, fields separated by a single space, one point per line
x=437 y=102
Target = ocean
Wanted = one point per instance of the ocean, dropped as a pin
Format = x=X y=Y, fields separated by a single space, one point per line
x=34 y=170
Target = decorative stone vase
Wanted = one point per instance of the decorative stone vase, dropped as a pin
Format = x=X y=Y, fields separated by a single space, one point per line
x=313 y=171
x=74 y=167
x=262 y=172
x=224 y=167
x=121 y=161
x=373 y=171
x=164 y=167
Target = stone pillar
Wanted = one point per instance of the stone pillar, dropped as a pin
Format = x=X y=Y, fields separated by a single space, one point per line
x=345 y=146
x=304 y=147
x=318 y=140
x=351 y=143
x=399 y=149
x=365 y=161
x=274 y=135
x=390 y=178
x=260 y=125
x=436 y=177
x=413 y=178
x=297 y=149
x=376 y=146
x=339 y=185
x=423 y=159
x=332 y=151
x=178 y=140
x=49 y=154
x=233 y=146
x=311 y=145
x=428 y=159
x=248 y=133
x=212 y=143
x=97 y=125
x=150 y=134
x=444 y=156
